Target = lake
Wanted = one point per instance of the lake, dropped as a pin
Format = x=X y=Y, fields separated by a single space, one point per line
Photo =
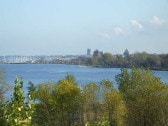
x=38 y=73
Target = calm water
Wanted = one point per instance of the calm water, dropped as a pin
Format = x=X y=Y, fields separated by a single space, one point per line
x=38 y=73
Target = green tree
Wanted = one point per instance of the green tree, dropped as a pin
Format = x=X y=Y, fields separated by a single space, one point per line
x=58 y=103
x=18 y=112
x=90 y=93
x=68 y=103
x=145 y=97
x=164 y=61
x=71 y=79
x=116 y=108
x=46 y=113
x=140 y=59
x=153 y=61
x=114 y=105
x=107 y=59
x=31 y=89
x=95 y=61
x=119 y=60
x=4 y=86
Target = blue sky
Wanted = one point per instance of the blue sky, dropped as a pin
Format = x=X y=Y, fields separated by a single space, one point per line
x=60 y=27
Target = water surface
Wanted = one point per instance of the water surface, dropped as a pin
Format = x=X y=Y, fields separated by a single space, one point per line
x=38 y=73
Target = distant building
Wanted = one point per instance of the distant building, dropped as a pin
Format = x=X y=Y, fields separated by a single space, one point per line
x=126 y=53
x=97 y=53
x=88 y=52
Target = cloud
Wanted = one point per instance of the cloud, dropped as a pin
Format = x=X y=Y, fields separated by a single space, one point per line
x=105 y=35
x=118 y=30
x=156 y=21
x=136 y=24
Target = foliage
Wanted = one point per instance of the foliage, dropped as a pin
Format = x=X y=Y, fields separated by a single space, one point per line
x=18 y=112
x=105 y=60
x=67 y=101
x=45 y=106
x=140 y=100
x=31 y=89
x=145 y=96
x=70 y=78
x=102 y=121
x=113 y=104
x=164 y=61
x=119 y=60
x=138 y=59
x=58 y=104
x=4 y=86
x=91 y=103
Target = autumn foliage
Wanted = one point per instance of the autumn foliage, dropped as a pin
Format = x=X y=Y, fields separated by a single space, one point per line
x=141 y=99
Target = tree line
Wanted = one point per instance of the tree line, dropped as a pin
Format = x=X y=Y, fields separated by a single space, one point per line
x=141 y=99
x=139 y=59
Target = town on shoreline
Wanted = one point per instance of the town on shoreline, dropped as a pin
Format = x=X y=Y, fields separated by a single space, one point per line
x=97 y=59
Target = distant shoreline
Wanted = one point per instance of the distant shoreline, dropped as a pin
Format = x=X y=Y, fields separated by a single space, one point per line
x=97 y=66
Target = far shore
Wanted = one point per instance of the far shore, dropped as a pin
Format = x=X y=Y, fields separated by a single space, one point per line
x=97 y=66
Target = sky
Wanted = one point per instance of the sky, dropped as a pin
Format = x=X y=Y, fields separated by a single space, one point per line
x=70 y=27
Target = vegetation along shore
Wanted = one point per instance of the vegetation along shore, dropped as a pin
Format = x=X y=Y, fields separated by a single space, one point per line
x=140 y=99
x=139 y=59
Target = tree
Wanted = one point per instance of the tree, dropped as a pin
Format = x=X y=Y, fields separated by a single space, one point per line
x=164 y=61
x=58 y=103
x=90 y=93
x=119 y=60
x=18 y=112
x=153 y=61
x=46 y=113
x=139 y=59
x=4 y=86
x=107 y=59
x=71 y=79
x=116 y=108
x=113 y=104
x=31 y=89
x=95 y=61
x=67 y=96
x=145 y=97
